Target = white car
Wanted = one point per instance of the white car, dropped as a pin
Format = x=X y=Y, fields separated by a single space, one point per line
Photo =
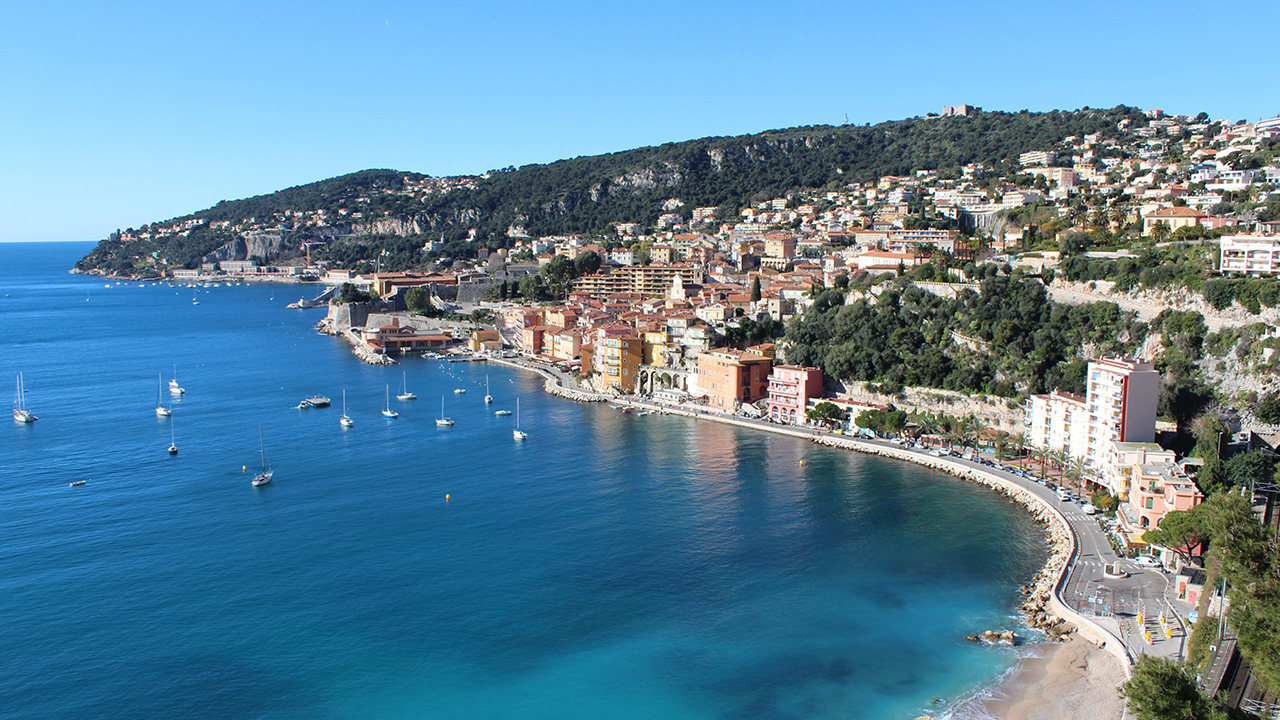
x=1147 y=561
x=1089 y=509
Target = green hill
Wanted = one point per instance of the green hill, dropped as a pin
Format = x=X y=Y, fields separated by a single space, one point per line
x=588 y=194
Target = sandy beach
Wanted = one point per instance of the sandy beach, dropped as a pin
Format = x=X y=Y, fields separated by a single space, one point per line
x=1067 y=680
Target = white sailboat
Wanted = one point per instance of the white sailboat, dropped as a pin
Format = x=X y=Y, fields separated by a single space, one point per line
x=173 y=445
x=518 y=434
x=488 y=399
x=161 y=410
x=263 y=477
x=20 y=412
x=174 y=387
x=404 y=388
x=345 y=421
x=443 y=421
x=387 y=412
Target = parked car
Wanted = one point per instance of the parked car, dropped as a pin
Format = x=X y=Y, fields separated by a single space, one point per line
x=1063 y=496
x=1089 y=509
x=1147 y=561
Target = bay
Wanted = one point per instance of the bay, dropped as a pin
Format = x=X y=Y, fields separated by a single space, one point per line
x=610 y=566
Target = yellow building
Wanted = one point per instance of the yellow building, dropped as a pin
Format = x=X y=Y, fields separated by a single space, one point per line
x=655 y=348
x=617 y=356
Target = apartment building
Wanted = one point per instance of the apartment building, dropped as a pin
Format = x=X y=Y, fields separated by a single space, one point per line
x=730 y=377
x=1121 y=396
x=1158 y=489
x=647 y=280
x=1059 y=421
x=616 y=356
x=790 y=389
x=1249 y=254
x=1119 y=406
x=1039 y=158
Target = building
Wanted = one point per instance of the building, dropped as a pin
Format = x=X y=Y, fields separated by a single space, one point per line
x=1127 y=458
x=1059 y=421
x=1158 y=489
x=647 y=280
x=1039 y=158
x=1173 y=218
x=1245 y=254
x=485 y=340
x=616 y=356
x=730 y=377
x=790 y=389
x=954 y=110
x=1119 y=406
x=1122 y=395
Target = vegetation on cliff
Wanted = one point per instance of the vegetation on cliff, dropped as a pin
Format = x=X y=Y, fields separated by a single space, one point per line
x=590 y=194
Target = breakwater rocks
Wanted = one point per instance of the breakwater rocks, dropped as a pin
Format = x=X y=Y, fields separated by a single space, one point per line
x=996 y=638
x=358 y=346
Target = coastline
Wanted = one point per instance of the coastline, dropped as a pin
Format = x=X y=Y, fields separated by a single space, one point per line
x=1075 y=674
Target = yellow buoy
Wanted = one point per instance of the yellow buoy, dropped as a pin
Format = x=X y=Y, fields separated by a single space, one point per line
x=243 y=468
x=446 y=497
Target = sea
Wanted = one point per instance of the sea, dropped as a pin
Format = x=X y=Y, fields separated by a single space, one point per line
x=610 y=566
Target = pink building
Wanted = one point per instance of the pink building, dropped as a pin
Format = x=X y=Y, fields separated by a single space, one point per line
x=1156 y=490
x=790 y=389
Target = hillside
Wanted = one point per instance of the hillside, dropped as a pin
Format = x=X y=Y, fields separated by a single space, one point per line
x=588 y=194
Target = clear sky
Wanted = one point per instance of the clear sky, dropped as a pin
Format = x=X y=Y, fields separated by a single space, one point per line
x=113 y=115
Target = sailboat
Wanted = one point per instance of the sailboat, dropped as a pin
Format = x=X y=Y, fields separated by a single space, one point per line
x=173 y=445
x=174 y=387
x=345 y=421
x=387 y=412
x=20 y=412
x=443 y=421
x=161 y=410
x=404 y=388
x=488 y=399
x=518 y=434
x=263 y=477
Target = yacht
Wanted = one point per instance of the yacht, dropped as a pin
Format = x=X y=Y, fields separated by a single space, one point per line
x=20 y=412
x=387 y=412
x=161 y=410
x=443 y=421
x=404 y=388
x=345 y=421
x=263 y=477
x=517 y=433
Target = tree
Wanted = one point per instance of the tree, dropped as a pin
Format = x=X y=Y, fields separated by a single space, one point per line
x=1248 y=469
x=1160 y=231
x=755 y=289
x=1161 y=689
x=417 y=299
x=586 y=263
x=1182 y=531
x=824 y=412
x=559 y=272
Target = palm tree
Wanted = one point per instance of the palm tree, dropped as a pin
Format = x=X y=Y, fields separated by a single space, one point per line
x=1002 y=444
x=1020 y=441
x=1075 y=473
x=972 y=428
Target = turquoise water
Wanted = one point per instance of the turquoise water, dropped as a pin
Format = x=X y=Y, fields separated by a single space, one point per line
x=612 y=566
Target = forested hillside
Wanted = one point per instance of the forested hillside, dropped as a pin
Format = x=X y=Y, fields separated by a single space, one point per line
x=588 y=194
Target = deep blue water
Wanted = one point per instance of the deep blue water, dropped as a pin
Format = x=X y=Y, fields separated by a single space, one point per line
x=612 y=566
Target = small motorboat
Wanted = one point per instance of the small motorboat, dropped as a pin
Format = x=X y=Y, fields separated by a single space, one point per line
x=77 y=483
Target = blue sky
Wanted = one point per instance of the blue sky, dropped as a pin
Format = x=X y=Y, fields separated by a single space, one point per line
x=114 y=115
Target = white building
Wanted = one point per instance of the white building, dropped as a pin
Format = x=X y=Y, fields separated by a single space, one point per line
x=1249 y=254
x=1122 y=396
x=1039 y=158
x=1060 y=421
x=1119 y=407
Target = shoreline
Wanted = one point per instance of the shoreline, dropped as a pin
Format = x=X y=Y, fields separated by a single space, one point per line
x=1076 y=671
